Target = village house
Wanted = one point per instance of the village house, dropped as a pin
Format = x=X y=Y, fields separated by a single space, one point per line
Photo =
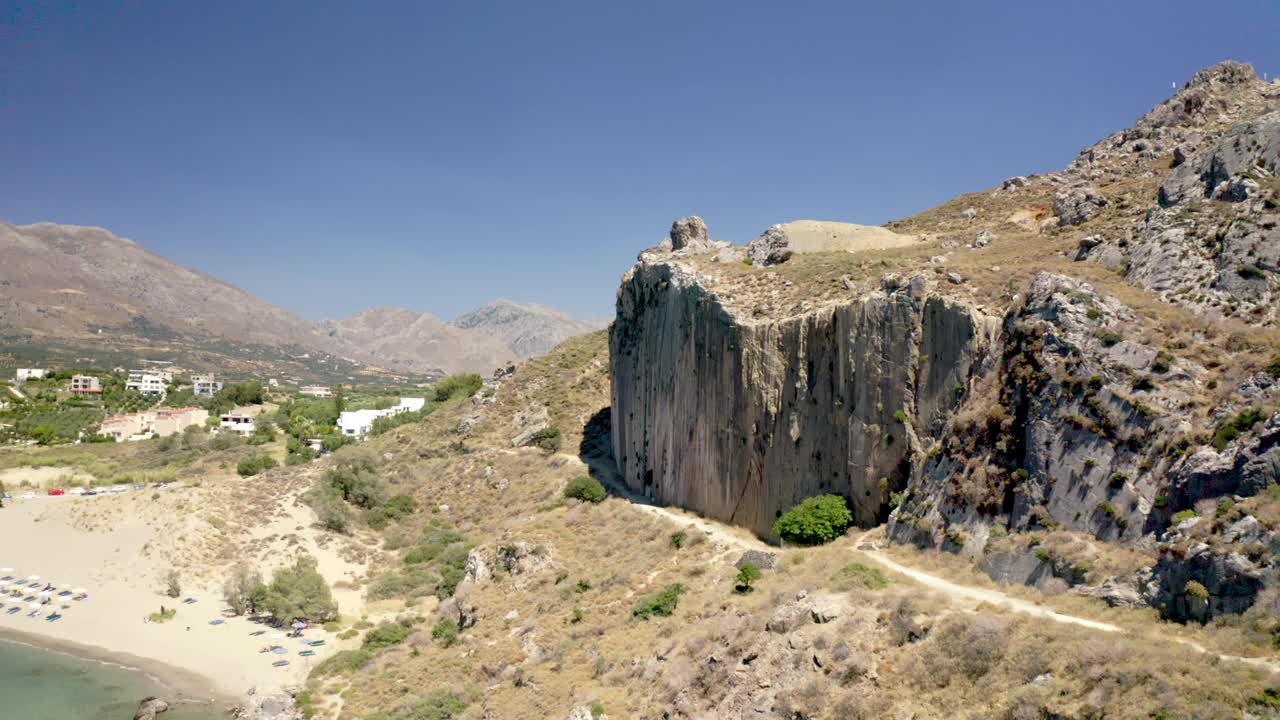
x=237 y=422
x=160 y=422
x=85 y=385
x=205 y=385
x=147 y=382
x=358 y=423
x=315 y=391
x=24 y=374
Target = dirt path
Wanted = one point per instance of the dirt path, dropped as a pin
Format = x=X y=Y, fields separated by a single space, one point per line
x=604 y=470
x=957 y=592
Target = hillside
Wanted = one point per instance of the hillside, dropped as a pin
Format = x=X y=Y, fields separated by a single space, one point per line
x=527 y=329
x=1090 y=352
x=1065 y=464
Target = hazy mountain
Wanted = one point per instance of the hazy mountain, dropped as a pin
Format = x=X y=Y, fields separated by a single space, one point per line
x=526 y=329
x=418 y=341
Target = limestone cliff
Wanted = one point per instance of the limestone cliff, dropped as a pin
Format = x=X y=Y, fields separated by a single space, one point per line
x=740 y=418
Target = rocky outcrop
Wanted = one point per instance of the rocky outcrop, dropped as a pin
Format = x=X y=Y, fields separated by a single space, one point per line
x=770 y=247
x=1076 y=205
x=1067 y=442
x=690 y=233
x=741 y=418
x=149 y=708
x=1224 y=169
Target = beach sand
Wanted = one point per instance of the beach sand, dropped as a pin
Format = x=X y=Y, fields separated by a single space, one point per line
x=121 y=556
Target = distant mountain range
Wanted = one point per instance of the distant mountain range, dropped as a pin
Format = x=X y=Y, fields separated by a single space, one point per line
x=85 y=286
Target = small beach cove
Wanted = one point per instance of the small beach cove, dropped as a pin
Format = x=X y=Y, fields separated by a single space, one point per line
x=44 y=679
x=118 y=548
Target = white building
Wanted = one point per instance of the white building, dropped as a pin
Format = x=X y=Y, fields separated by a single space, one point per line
x=237 y=422
x=25 y=374
x=147 y=383
x=358 y=423
x=85 y=385
x=315 y=391
x=205 y=385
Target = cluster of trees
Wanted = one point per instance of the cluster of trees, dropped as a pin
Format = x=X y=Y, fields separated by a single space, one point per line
x=296 y=592
x=356 y=485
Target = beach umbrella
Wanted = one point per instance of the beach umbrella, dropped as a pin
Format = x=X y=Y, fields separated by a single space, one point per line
x=46 y=592
x=35 y=605
x=298 y=624
x=33 y=577
x=79 y=591
x=280 y=650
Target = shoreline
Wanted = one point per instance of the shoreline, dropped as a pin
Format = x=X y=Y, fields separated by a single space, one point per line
x=184 y=685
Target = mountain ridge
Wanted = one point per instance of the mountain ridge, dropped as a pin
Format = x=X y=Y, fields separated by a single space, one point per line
x=73 y=282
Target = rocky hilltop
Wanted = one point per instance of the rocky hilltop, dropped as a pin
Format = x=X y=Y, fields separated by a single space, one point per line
x=1088 y=354
x=526 y=329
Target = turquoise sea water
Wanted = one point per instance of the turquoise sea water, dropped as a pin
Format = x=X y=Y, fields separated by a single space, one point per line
x=38 y=684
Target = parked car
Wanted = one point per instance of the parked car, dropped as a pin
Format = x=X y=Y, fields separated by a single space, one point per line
x=90 y=492
x=28 y=496
x=119 y=488
x=76 y=491
x=57 y=491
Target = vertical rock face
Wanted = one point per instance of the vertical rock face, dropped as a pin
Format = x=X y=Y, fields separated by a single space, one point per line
x=740 y=419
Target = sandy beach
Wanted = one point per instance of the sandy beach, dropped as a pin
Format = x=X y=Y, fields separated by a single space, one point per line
x=121 y=559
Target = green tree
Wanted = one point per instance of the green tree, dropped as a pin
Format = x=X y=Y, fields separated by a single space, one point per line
x=238 y=591
x=44 y=434
x=299 y=592
x=339 y=401
x=748 y=574
x=815 y=521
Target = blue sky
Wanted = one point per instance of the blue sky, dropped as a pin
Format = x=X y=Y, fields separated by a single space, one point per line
x=330 y=156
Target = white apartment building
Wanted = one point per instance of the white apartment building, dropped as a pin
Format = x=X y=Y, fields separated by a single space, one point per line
x=237 y=422
x=315 y=391
x=358 y=423
x=146 y=382
x=85 y=385
x=205 y=385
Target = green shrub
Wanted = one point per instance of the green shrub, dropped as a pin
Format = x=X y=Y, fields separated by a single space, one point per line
x=459 y=385
x=815 y=521
x=1182 y=515
x=385 y=635
x=1232 y=428
x=439 y=705
x=1195 y=590
x=547 y=439
x=859 y=576
x=748 y=574
x=446 y=631
x=586 y=489
x=678 y=538
x=900 y=416
x=255 y=464
x=343 y=661
x=663 y=603
x=1108 y=338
